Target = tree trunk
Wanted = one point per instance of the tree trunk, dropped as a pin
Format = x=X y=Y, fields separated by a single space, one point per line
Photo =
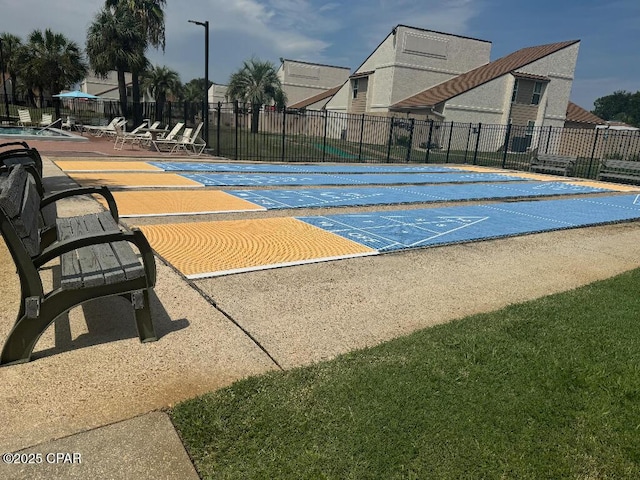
x=122 y=93
x=135 y=92
x=255 y=117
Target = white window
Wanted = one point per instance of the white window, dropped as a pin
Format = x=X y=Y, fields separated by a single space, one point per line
x=354 y=84
x=537 y=93
x=515 y=91
x=530 y=126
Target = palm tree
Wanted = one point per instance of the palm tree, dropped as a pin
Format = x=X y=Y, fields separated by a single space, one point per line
x=51 y=62
x=11 y=45
x=115 y=42
x=160 y=81
x=256 y=83
x=150 y=17
x=193 y=90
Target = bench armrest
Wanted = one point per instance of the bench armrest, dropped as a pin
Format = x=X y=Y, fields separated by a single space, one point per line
x=8 y=144
x=61 y=247
x=104 y=191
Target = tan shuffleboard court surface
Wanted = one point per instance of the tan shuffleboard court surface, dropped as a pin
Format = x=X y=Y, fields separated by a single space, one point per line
x=178 y=202
x=105 y=166
x=208 y=249
x=133 y=180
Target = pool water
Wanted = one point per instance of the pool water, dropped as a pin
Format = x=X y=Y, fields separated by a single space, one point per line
x=38 y=133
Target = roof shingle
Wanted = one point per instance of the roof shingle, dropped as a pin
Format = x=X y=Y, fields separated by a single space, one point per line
x=577 y=114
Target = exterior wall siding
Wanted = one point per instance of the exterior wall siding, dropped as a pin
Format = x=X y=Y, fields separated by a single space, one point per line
x=521 y=114
x=359 y=104
x=560 y=68
x=302 y=80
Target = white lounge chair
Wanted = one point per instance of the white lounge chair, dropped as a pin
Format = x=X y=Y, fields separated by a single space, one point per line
x=47 y=119
x=100 y=130
x=123 y=136
x=169 y=140
x=137 y=135
x=24 y=118
x=193 y=145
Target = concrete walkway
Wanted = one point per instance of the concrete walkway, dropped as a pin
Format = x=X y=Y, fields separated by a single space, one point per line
x=94 y=390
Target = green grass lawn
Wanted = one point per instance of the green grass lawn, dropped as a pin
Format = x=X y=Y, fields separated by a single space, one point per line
x=547 y=389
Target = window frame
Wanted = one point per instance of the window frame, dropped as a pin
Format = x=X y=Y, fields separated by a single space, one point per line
x=538 y=90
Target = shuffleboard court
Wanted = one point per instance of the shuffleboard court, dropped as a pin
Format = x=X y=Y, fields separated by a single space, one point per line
x=297 y=168
x=397 y=230
x=364 y=196
x=155 y=203
x=206 y=249
x=200 y=201
x=237 y=180
x=105 y=166
x=133 y=180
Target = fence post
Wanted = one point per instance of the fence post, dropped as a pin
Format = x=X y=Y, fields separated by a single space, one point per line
x=324 y=137
x=411 y=126
x=284 y=131
x=506 y=146
x=390 y=140
x=475 y=153
x=361 y=137
x=426 y=156
x=546 y=148
x=218 y=128
x=593 y=152
x=466 y=149
x=449 y=143
x=236 y=110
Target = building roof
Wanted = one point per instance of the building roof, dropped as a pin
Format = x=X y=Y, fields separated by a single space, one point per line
x=316 y=98
x=577 y=114
x=481 y=75
x=362 y=74
x=312 y=63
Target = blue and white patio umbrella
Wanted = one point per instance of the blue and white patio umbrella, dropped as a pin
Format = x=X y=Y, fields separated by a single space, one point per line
x=75 y=94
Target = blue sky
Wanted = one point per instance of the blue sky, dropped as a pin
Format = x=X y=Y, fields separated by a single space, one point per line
x=344 y=34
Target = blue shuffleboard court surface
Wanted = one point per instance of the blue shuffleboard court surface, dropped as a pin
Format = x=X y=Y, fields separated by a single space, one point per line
x=237 y=180
x=297 y=168
x=401 y=229
x=363 y=196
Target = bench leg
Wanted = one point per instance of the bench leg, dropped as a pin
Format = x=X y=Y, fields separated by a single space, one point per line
x=142 y=309
x=23 y=337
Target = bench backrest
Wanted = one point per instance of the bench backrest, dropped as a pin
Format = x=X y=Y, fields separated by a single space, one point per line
x=545 y=157
x=620 y=164
x=20 y=204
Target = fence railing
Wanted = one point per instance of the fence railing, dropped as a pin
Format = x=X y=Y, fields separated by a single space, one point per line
x=323 y=136
x=97 y=112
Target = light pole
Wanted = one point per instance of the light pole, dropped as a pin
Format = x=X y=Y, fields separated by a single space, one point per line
x=205 y=24
x=4 y=85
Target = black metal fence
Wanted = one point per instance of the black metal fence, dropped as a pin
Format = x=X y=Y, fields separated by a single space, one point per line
x=101 y=111
x=322 y=136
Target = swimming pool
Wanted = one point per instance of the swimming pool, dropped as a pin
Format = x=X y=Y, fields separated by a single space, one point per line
x=38 y=133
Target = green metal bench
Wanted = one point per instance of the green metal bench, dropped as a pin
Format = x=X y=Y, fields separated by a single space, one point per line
x=19 y=153
x=96 y=260
x=624 y=171
x=554 y=164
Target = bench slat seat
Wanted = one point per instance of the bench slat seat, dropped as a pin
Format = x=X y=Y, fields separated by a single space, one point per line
x=93 y=265
x=555 y=164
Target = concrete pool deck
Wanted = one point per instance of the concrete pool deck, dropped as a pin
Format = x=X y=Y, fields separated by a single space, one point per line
x=93 y=389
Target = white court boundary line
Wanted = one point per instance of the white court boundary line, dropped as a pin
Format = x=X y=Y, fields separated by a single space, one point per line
x=219 y=273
